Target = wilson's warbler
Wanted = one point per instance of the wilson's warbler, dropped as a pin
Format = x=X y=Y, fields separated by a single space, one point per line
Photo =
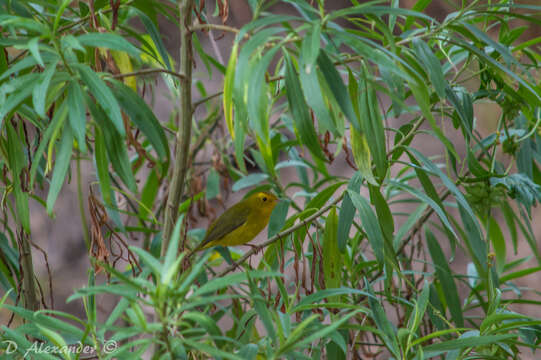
x=241 y=222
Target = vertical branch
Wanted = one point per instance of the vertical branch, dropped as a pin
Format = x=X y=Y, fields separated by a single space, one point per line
x=31 y=301
x=183 y=135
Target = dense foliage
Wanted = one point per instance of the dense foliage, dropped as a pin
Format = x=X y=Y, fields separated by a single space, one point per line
x=360 y=262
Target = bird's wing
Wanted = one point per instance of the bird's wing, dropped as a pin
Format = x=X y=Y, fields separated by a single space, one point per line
x=226 y=223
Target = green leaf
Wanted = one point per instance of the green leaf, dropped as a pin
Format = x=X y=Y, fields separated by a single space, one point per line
x=57 y=340
x=115 y=145
x=313 y=93
x=444 y=275
x=17 y=163
x=420 y=92
x=61 y=166
x=229 y=83
x=103 y=95
x=23 y=87
x=494 y=233
x=383 y=210
x=143 y=117
x=464 y=342
x=250 y=180
x=474 y=241
x=420 y=309
x=361 y=155
x=258 y=106
x=102 y=166
x=372 y=125
x=108 y=40
x=370 y=224
x=172 y=259
x=338 y=89
x=332 y=259
x=148 y=260
x=54 y=127
x=432 y=64
x=304 y=126
x=39 y=93
x=77 y=113
x=321 y=334
x=154 y=33
x=310 y=47
x=278 y=218
x=380 y=318
x=347 y=212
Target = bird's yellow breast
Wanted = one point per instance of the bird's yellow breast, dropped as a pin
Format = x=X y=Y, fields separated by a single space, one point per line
x=256 y=222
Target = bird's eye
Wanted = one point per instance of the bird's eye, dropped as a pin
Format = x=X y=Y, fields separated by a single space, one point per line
x=264 y=198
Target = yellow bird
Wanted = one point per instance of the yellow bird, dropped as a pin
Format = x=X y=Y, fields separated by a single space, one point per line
x=241 y=222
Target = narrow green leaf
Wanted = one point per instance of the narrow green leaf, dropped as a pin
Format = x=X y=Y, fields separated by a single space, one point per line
x=380 y=318
x=464 y=342
x=103 y=95
x=61 y=166
x=229 y=83
x=408 y=225
x=115 y=145
x=372 y=125
x=55 y=125
x=258 y=104
x=338 y=89
x=347 y=212
x=444 y=275
x=278 y=218
x=102 y=166
x=321 y=334
x=423 y=197
x=475 y=244
x=419 y=6
x=23 y=87
x=332 y=261
x=385 y=216
x=57 y=340
x=313 y=94
x=77 y=113
x=39 y=93
x=310 y=47
x=432 y=64
x=304 y=126
x=17 y=163
x=108 y=40
x=172 y=258
x=420 y=92
x=148 y=260
x=143 y=117
x=155 y=35
x=250 y=180
x=362 y=155
x=498 y=242
x=370 y=225
x=420 y=309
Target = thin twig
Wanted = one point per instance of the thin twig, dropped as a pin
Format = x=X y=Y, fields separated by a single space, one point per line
x=214 y=27
x=148 y=71
x=205 y=99
x=184 y=132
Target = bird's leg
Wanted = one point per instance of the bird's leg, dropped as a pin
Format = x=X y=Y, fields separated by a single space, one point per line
x=256 y=247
